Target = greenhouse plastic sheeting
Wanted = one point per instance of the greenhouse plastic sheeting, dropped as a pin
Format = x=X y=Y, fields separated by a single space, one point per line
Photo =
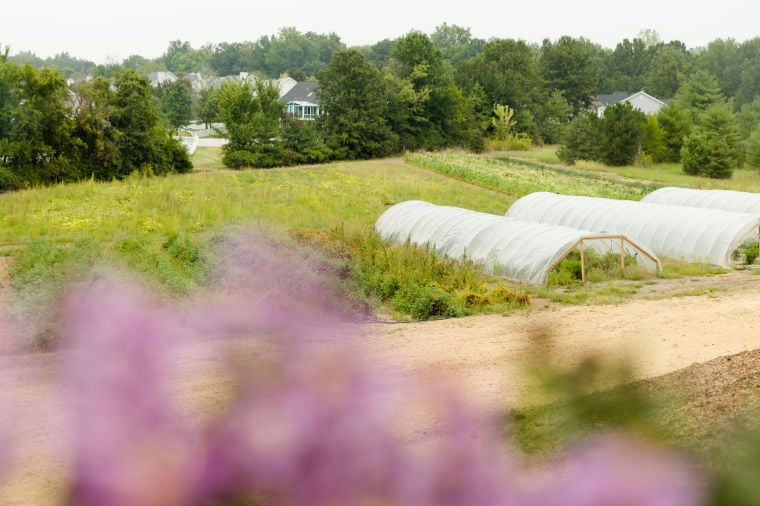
x=683 y=233
x=508 y=247
x=728 y=200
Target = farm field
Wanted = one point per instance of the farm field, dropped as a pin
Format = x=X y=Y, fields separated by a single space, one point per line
x=691 y=332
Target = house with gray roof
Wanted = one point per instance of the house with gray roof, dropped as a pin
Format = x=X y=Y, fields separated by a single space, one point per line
x=301 y=101
x=641 y=101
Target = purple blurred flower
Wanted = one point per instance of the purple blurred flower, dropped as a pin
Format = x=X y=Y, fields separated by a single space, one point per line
x=623 y=470
x=129 y=448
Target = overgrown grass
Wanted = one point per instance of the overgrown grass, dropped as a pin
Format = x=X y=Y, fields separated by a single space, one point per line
x=161 y=227
x=412 y=281
x=206 y=157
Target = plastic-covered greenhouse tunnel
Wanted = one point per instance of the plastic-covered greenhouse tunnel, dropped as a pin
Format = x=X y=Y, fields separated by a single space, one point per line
x=683 y=233
x=518 y=249
x=727 y=200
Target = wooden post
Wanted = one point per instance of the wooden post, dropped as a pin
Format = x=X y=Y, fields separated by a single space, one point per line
x=583 y=264
x=622 y=253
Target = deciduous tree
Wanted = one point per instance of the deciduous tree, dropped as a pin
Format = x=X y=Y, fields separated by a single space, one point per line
x=177 y=102
x=568 y=65
x=251 y=114
x=356 y=101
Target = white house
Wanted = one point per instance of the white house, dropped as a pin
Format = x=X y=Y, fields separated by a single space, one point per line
x=641 y=101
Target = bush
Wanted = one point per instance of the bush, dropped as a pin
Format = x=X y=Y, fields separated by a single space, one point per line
x=705 y=153
x=747 y=253
x=519 y=142
x=472 y=300
x=582 y=139
x=502 y=294
x=476 y=143
x=425 y=302
x=263 y=157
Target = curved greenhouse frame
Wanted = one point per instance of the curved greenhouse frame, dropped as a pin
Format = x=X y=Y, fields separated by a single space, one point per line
x=728 y=200
x=682 y=233
x=521 y=250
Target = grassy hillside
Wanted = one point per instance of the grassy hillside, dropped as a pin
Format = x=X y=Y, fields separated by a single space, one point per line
x=163 y=228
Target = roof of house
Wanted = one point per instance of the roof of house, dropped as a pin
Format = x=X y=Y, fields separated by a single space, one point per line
x=302 y=92
x=612 y=98
x=619 y=96
x=158 y=78
x=645 y=95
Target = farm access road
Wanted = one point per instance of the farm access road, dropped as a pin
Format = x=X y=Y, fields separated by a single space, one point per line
x=484 y=356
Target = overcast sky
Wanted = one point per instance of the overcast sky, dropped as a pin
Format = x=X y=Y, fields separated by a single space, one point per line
x=103 y=31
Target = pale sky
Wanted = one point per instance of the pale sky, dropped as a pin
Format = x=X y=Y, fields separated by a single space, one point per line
x=103 y=30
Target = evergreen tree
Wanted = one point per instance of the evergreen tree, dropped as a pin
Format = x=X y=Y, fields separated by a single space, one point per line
x=698 y=92
x=720 y=120
x=675 y=123
x=582 y=139
x=621 y=134
x=706 y=153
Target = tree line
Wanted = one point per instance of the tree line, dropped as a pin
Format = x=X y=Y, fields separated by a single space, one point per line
x=450 y=89
x=507 y=91
x=104 y=129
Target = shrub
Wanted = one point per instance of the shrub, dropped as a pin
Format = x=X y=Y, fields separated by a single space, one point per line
x=476 y=143
x=424 y=302
x=747 y=252
x=472 y=300
x=705 y=153
x=582 y=139
x=502 y=294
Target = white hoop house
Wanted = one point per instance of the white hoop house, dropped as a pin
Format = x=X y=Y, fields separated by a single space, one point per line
x=728 y=200
x=521 y=250
x=683 y=233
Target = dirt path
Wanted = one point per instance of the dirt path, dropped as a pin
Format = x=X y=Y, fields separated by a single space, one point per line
x=485 y=356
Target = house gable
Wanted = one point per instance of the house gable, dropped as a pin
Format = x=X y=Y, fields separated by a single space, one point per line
x=645 y=103
x=640 y=101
